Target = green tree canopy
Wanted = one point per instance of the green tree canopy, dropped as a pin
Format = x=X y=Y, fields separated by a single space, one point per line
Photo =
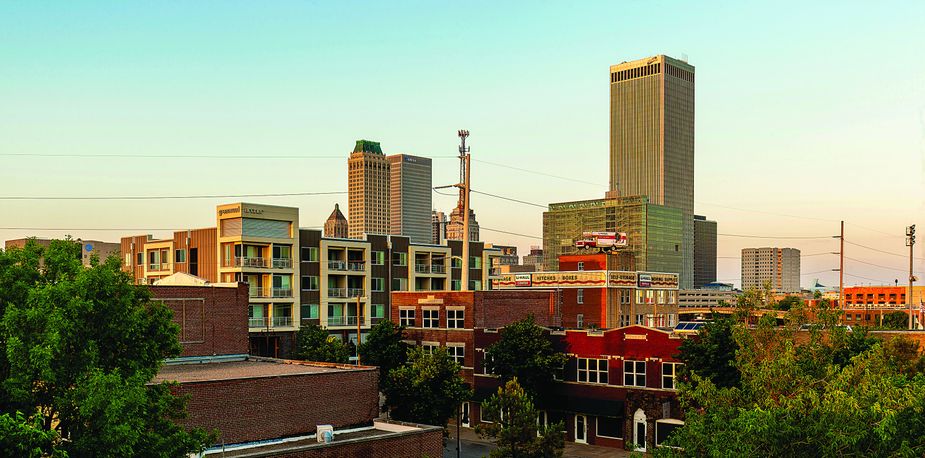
x=85 y=344
x=315 y=344
x=711 y=355
x=383 y=347
x=525 y=352
x=426 y=389
x=895 y=320
x=515 y=426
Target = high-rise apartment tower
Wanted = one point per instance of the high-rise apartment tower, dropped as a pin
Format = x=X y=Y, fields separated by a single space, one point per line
x=779 y=266
x=652 y=139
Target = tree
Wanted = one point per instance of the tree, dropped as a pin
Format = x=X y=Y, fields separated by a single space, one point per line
x=315 y=344
x=895 y=320
x=86 y=344
x=789 y=302
x=26 y=438
x=525 y=352
x=711 y=355
x=383 y=347
x=515 y=426
x=426 y=389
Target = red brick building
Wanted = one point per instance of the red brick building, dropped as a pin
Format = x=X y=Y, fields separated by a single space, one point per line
x=618 y=386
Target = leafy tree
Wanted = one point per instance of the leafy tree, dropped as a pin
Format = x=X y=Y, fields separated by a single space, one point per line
x=383 y=347
x=515 y=426
x=525 y=353
x=711 y=355
x=789 y=302
x=26 y=438
x=895 y=320
x=86 y=344
x=426 y=389
x=315 y=344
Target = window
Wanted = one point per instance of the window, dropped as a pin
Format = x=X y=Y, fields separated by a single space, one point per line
x=486 y=361
x=475 y=262
x=592 y=370
x=581 y=265
x=475 y=285
x=140 y=259
x=400 y=259
x=406 y=317
x=309 y=254
x=309 y=311
x=179 y=256
x=610 y=427
x=399 y=284
x=378 y=311
x=580 y=320
x=128 y=259
x=669 y=375
x=455 y=319
x=431 y=318
x=634 y=373
x=429 y=347
x=456 y=285
x=378 y=284
x=457 y=263
x=457 y=352
x=581 y=296
x=309 y=283
x=378 y=258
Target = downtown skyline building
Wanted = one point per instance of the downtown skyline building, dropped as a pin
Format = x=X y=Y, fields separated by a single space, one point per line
x=411 y=196
x=652 y=139
x=778 y=266
x=368 y=187
x=704 y=251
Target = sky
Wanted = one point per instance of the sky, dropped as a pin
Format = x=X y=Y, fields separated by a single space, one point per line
x=807 y=113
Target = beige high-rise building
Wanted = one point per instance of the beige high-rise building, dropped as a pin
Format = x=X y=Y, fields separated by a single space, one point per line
x=652 y=139
x=779 y=266
x=368 y=189
x=411 y=197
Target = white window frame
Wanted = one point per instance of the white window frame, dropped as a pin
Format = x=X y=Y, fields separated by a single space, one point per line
x=372 y=284
x=634 y=373
x=588 y=373
x=409 y=314
x=430 y=347
x=306 y=285
x=311 y=257
x=581 y=265
x=580 y=320
x=457 y=351
x=455 y=318
x=580 y=295
x=378 y=258
x=431 y=318
x=673 y=377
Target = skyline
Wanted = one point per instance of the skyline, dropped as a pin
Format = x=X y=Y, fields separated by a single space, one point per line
x=163 y=81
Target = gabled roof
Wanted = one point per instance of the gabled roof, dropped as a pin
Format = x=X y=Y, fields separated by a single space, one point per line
x=336 y=215
x=181 y=279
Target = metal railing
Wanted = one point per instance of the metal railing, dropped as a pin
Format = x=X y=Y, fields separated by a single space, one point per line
x=258 y=291
x=337 y=292
x=356 y=266
x=438 y=269
x=337 y=265
x=281 y=292
x=421 y=268
x=282 y=321
x=354 y=292
x=346 y=321
x=282 y=263
x=256 y=322
x=250 y=262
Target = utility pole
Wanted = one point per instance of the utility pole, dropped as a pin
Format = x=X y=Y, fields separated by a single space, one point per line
x=910 y=242
x=841 y=266
x=464 y=195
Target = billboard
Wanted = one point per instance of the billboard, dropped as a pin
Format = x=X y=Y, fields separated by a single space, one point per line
x=644 y=281
x=521 y=280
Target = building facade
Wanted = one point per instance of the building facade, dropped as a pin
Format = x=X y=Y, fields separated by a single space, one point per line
x=508 y=256
x=704 y=251
x=654 y=232
x=652 y=139
x=411 y=197
x=368 y=184
x=88 y=248
x=535 y=258
x=438 y=228
x=778 y=266
x=336 y=225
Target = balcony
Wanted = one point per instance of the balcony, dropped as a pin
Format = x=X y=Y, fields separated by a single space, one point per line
x=281 y=292
x=356 y=266
x=438 y=269
x=421 y=268
x=347 y=321
x=337 y=292
x=354 y=292
x=257 y=322
x=337 y=265
x=159 y=267
x=258 y=291
x=259 y=263
x=282 y=322
x=282 y=263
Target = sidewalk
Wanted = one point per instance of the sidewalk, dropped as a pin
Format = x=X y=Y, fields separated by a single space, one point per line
x=571 y=449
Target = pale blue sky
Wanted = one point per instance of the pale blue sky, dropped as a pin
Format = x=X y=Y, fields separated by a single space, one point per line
x=810 y=110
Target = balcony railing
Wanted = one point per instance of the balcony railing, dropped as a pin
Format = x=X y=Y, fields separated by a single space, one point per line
x=259 y=263
x=438 y=269
x=282 y=321
x=257 y=322
x=337 y=292
x=282 y=292
x=421 y=268
x=337 y=265
x=354 y=292
x=356 y=266
x=258 y=291
x=282 y=263
x=159 y=267
x=346 y=321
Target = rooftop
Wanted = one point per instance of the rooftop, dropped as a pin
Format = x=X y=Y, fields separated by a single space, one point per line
x=247 y=367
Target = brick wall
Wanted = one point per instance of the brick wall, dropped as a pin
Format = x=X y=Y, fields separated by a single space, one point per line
x=417 y=444
x=213 y=320
x=252 y=409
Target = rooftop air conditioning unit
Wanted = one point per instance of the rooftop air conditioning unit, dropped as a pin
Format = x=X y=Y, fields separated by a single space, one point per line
x=325 y=433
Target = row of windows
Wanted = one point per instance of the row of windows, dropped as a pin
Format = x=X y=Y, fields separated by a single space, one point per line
x=637 y=72
x=592 y=370
x=455 y=319
x=457 y=351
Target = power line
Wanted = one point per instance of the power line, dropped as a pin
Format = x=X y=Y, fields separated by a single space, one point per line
x=876 y=265
x=877 y=250
x=510 y=199
x=807 y=237
x=510 y=233
x=214 y=196
x=186 y=156
x=116 y=229
x=575 y=180
x=867 y=278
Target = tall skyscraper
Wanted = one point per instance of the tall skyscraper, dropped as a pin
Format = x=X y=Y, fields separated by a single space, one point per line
x=704 y=251
x=411 y=197
x=336 y=225
x=454 y=229
x=368 y=189
x=652 y=139
x=438 y=220
x=779 y=266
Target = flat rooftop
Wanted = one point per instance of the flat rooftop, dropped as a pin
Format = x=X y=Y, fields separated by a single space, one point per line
x=251 y=367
